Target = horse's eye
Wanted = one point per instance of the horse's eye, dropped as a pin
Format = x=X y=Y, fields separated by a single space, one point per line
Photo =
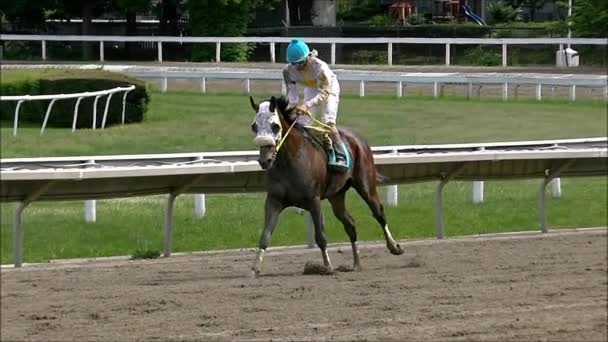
x=275 y=128
x=254 y=127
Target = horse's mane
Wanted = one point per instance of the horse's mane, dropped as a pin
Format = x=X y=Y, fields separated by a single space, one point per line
x=282 y=105
x=289 y=116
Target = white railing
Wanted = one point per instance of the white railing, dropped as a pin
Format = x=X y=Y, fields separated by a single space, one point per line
x=272 y=41
x=79 y=96
x=26 y=180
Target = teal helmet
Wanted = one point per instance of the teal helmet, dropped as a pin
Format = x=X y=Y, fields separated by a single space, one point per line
x=297 y=51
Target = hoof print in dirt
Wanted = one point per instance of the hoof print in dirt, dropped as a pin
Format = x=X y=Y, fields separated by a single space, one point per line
x=316 y=268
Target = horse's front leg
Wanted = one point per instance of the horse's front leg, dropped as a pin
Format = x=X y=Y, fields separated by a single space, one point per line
x=317 y=219
x=272 y=209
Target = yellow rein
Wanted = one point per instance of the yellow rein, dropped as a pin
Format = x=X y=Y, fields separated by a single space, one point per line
x=324 y=128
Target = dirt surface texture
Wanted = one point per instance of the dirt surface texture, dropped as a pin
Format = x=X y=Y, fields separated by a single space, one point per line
x=509 y=287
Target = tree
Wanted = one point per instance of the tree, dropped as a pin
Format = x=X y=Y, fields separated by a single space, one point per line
x=533 y=5
x=590 y=18
x=222 y=18
x=25 y=14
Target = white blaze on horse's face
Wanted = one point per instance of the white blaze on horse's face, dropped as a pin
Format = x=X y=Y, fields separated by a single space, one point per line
x=266 y=126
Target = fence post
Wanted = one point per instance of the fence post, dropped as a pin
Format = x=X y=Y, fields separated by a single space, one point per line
x=390 y=54
x=505 y=91
x=247 y=86
x=95 y=111
x=218 y=49
x=333 y=53
x=44 y=50
x=556 y=187
x=392 y=193
x=272 y=53
x=539 y=92
x=203 y=85
x=361 y=88
x=101 y=52
x=105 y=111
x=400 y=89
x=478 y=192
x=436 y=89
x=48 y=113
x=504 y=55
x=200 y=209
x=447 y=53
x=90 y=212
x=606 y=94
x=90 y=206
x=160 y=52
x=17 y=117
x=573 y=92
x=163 y=85
x=470 y=91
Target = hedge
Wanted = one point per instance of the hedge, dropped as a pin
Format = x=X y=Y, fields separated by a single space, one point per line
x=67 y=81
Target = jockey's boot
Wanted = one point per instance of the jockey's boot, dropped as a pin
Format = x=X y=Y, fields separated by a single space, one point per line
x=338 y=163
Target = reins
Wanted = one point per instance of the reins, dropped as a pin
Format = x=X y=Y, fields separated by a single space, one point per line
x=323 y=128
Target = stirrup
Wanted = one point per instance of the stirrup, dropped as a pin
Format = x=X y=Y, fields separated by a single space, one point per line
x=335 y=164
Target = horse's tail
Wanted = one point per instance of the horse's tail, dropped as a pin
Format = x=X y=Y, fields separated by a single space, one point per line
x=381 y=179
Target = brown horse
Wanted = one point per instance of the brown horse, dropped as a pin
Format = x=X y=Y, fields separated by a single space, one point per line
x=297 y=175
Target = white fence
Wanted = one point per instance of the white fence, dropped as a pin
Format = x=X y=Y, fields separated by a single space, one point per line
x=70 y=178
x=436 y=80
x=97 y=94
x=272 y=41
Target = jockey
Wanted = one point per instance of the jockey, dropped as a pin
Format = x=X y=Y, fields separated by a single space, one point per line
x=321 y=92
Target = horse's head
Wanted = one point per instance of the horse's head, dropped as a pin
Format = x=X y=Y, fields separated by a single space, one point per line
x=267 y=127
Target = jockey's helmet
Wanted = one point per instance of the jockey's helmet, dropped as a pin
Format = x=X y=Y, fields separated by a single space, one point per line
x=297 y=51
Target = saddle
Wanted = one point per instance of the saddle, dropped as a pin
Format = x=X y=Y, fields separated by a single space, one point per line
x=322 y=134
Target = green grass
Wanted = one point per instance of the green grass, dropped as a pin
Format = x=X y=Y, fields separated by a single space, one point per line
x=189 y=122
x=183 y=122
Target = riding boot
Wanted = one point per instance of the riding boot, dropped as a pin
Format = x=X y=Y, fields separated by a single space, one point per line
x=339 y=164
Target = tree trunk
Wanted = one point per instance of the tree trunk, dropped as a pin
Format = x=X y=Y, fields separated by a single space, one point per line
x=87 y=15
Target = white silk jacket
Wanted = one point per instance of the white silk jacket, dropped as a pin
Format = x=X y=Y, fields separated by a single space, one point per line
x=316 y=75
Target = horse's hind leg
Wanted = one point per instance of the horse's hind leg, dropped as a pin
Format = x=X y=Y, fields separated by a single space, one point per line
x=272 y=209
x=317 y=219
x=367 y=191
x=339 y=208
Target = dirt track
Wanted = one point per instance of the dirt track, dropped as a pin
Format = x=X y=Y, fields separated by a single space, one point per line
x=550 y=287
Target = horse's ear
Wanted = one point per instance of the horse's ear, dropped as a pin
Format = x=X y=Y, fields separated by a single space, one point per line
x=253 y=105
x=273 y=104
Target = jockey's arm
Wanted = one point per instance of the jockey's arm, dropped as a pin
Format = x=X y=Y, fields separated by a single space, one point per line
x=292 y=88
x=324 y=89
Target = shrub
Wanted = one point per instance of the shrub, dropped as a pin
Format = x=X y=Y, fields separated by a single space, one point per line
x=479 y=56
x=66 y=81
x=369 y=57
x=503 y=12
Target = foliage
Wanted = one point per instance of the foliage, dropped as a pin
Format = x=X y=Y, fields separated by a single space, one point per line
x=381 y=21
x=222 y=18
x=369 y=57
x=417 y=19
x=480 y=56
x=361 y=10
x=71 y=81
x=145 y=254
x=532 y=5
x=590 y=18
x=502 y=12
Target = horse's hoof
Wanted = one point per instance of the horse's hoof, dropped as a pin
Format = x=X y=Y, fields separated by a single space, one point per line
x=396 y=250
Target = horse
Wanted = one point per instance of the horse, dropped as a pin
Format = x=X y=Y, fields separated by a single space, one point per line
x=297 y=175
